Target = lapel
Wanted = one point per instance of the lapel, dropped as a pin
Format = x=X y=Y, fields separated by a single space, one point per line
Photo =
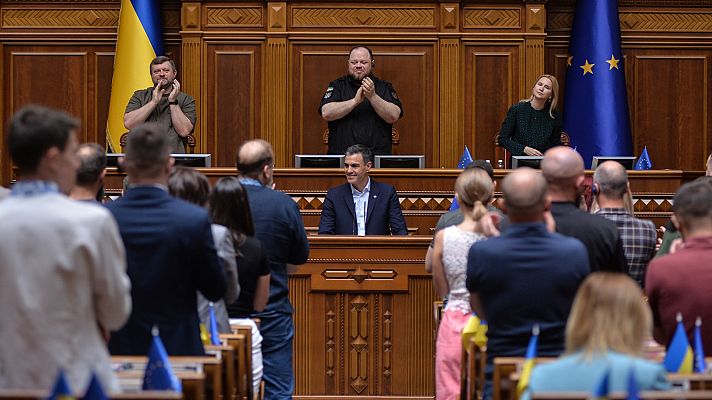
x=348 y=198
x=372 y=199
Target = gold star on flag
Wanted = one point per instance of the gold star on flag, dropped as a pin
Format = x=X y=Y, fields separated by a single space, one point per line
x=568 y=60
x=613 y=63
x=587 y=68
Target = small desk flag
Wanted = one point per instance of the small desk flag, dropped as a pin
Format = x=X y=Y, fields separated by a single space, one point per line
x=596 y=102
x=95 y=391
x=465 y=160
x=214 y=333
x=159 y=373
x=61 y=390
x=643 y=162
x=529 y=362
x=700 y=364
x=678 y=357
x=633 y=389
x=603 y=389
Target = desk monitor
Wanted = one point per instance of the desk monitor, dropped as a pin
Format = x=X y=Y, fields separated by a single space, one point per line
x=319 y=161
x=414 y=161
x=189 y=160
x=627 y=161
x=526 y=161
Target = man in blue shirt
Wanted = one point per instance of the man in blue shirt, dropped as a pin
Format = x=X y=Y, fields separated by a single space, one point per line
x=506 y=274
x=278 y=225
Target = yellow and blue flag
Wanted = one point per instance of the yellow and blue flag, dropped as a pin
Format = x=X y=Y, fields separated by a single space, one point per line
x=678 y=357
x=529 y=362
x=214 y=333
x=95 y=391
x=603 y=389
x=139 y=41
x=700 y=364
x=633 y=389
x=61 y=390
x=475 y=328
x=643 y=162
x=596 y=103
x=159 y=372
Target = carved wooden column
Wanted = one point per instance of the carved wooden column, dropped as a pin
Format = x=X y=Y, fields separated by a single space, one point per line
x=450 y=89
x=274 y=115
x=191 y=66
x=535 y=23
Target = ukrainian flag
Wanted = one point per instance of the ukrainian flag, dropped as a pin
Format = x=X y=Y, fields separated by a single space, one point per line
x=529 y=363
x=139 y=42
x=678 y=357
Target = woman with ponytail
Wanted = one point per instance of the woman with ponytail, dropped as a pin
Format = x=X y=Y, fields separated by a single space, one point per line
x=474 y=190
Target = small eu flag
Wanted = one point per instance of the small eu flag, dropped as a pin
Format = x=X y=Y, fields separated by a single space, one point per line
x=596 y=103
x=465 y=160
x=633 y=390
x=700 y=365
x=643 y=162
x=604 y=386
x=159 y=373
x=61 y=390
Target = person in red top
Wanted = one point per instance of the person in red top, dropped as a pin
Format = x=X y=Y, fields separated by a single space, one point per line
x=680 y=282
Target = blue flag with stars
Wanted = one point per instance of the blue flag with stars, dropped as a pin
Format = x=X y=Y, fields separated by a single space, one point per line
x=159 y=373
x=61 y=390
x=643 y=162
x=465 y=160
x=596 y=104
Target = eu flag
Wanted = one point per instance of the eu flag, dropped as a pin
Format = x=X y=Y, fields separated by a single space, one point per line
x=596 y=104
x=139 y=41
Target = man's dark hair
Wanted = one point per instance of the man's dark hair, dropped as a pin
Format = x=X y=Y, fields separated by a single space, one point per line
x=482 y=164
x=370 y=53
x=93 y=162
x=160 y=60
x=35 y=129
x=190 y=185
x=147 y=149
x=363 y=150
x=693 y=201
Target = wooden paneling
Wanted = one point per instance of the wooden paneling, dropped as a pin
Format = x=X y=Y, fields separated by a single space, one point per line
x=408 y=67
x=233 y=95
x=492 y=75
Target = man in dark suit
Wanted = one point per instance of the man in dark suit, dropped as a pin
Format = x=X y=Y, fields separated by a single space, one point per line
x=169 y=249
x=361 y=206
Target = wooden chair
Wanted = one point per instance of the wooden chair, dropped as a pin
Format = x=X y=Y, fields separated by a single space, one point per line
x=472 y=380
x=243 y=364
x=500 y=153
x=395 y=138
x=188 y=142
x=227 y=355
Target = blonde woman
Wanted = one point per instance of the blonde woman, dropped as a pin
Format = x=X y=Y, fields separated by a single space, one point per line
x=474 y=189
x=606 y=331
x=533 y=125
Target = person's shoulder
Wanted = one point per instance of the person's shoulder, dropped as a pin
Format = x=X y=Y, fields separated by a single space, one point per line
x=183 y=97
x=339 y=190
x=384 y=187
x=520 y=106
x=340 y=81
x=188 y=211
x=251 y=244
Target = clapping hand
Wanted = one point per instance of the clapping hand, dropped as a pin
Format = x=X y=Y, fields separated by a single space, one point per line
x=368 y=86
x=175 y=89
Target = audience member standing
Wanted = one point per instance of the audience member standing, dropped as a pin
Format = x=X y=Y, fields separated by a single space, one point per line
x=526 y=276
x=63 y=282
x=170 y=252
x=90 y=175
x=229 y=207
x=610 y=186
x=192 y=186
x=563 y=169
x=278 y=225
x=474 y=190
x=681 y=282
x=606 y=331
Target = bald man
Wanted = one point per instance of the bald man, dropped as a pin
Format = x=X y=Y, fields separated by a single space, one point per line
x=563 y=169
x=525 y=253
x=610 y=186
x=278 y=225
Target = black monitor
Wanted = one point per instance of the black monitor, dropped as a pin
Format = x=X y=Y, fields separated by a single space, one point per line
x=527 y=161
x=319 y=161
x=626 y=161
x=189 y=160
x=400 y=161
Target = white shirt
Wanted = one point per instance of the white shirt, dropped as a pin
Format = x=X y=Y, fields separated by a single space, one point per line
x=361 y=205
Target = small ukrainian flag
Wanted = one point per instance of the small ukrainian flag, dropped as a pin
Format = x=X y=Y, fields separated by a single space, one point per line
x=679 y=357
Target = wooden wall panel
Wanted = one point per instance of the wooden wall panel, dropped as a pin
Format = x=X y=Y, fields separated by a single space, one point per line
x=492 y=75
x=671 y=108
x=408 y=67
x=233 y=95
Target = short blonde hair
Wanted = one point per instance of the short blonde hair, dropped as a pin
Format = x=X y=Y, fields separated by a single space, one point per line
x=608 y=313
x=474 y=191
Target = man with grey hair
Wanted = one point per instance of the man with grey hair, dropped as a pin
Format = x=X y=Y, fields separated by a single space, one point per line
x=563 y=169
x=91 y=172
x=610 y=186
x=535 y=264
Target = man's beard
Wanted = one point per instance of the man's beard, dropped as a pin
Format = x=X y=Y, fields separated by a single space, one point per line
x=356 y=78
x=167 y=87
